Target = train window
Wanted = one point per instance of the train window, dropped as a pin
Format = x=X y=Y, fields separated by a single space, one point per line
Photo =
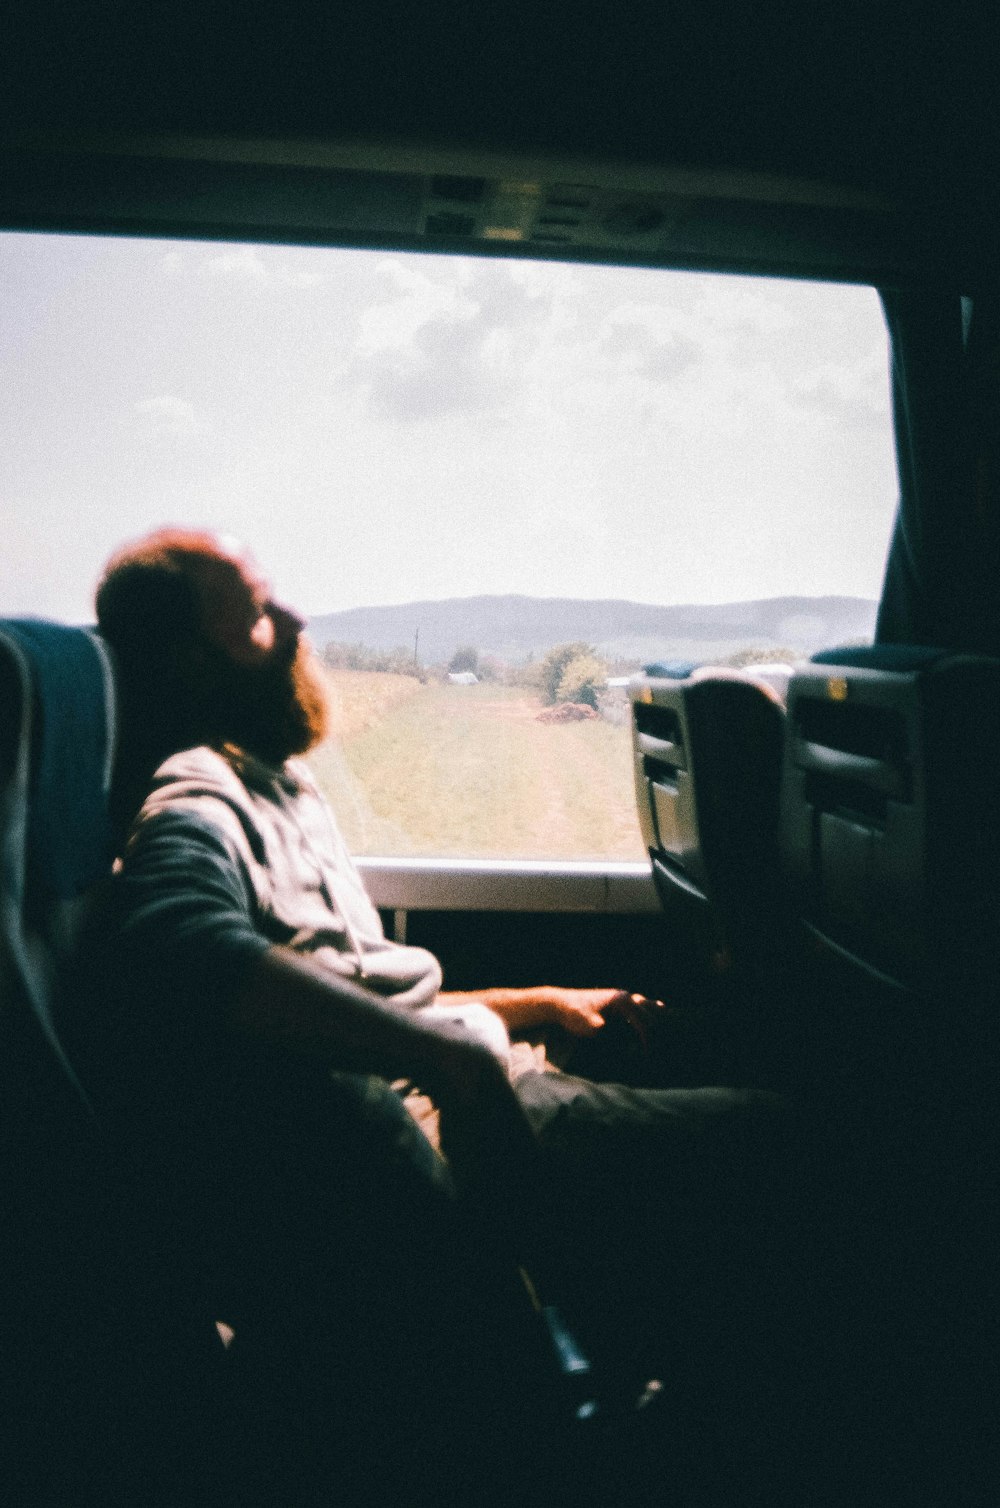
x=498 y=487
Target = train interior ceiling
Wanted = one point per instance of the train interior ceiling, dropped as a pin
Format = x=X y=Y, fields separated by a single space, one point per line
x=844 y=144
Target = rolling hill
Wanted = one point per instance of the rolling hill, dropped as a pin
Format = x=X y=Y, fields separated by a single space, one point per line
x=515 y=628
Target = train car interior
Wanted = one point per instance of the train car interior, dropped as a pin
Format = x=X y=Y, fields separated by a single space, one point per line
x=813 y=885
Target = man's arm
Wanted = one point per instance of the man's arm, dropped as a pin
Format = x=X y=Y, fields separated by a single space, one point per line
x=293 y=1005
x=577 y=1011
x=193 y=969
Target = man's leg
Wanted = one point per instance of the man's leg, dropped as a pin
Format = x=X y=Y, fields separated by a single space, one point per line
x=654 y=1195
x=692 y=1236
x=405 y=1350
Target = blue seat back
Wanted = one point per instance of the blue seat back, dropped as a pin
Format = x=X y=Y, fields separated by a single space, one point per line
x=890 y=824
x=707 y=761
x=57 y=745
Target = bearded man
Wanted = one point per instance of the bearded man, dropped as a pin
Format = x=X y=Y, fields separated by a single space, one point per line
x=248 y=1017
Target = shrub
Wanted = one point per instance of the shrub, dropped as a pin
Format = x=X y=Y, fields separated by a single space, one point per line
x=464 y=658
x=491 y=668
x=551 y=668
x=397 y=661
x=759 y=655
x=582 y=680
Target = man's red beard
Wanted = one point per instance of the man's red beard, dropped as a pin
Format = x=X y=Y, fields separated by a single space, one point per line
x=273 y=710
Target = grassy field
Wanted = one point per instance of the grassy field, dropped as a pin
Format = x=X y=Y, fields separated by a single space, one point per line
x=468 y=771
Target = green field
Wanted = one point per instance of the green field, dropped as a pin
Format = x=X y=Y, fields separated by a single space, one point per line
x=468 y=771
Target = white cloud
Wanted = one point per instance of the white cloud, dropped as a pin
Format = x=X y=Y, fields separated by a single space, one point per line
x=243 y=262
x=301 y=278
x=169 y=415
x=735 y=305
x=552 y=280
x=252 y=265
x=846 y=388
x=392 y=326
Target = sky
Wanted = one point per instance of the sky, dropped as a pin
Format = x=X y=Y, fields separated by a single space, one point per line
x=386 y=428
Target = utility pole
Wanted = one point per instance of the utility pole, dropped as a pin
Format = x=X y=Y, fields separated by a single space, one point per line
x=416 y=642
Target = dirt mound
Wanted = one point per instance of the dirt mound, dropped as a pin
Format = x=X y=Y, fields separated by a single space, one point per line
x=567 y=712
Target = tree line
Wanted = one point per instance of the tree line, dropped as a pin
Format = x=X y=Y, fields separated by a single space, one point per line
x=566 y=673
x=572 y=672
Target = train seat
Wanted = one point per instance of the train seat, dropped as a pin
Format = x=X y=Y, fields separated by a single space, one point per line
x=707 y=750
x=890 y=813
x=890 y=837
x=110 y=1380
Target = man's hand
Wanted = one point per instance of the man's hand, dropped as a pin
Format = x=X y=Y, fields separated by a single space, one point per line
x=481 y=1117
x=579 y=1012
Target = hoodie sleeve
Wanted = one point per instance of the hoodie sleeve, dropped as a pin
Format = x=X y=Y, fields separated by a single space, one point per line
x=185 y=906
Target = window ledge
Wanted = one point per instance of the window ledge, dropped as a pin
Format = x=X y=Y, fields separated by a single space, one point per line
x=508 y=885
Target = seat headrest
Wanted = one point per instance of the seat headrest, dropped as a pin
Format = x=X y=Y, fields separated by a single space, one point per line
x=902 y=659
x=670 y=670
x=64 y=754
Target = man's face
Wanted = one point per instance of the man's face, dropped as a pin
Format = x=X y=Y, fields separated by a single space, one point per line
x=262 y=687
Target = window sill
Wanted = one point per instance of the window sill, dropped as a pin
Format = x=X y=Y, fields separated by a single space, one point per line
x=508 y=885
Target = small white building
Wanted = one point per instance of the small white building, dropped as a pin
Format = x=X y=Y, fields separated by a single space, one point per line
x=462 y=678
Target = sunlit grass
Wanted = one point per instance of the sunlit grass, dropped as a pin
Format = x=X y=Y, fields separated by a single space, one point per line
x=468 y=771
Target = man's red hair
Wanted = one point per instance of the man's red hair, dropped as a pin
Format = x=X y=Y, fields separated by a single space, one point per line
x=146 y=598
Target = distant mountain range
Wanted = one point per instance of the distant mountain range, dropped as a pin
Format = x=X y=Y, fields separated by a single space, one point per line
x=514 y=628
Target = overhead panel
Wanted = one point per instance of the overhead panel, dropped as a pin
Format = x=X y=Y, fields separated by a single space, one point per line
x=442 y=200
